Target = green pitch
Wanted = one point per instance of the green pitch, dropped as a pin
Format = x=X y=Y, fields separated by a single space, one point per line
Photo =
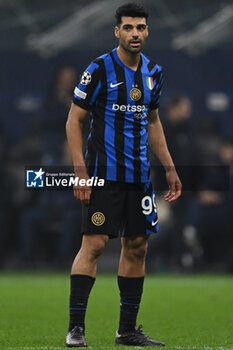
x=185 y=312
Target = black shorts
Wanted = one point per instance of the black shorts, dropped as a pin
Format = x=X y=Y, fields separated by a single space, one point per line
x=126 y=209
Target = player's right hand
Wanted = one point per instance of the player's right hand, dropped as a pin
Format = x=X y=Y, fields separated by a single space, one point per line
x=83 y=193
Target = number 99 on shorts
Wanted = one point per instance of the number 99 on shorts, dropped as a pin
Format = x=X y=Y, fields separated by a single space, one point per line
x=148 y=205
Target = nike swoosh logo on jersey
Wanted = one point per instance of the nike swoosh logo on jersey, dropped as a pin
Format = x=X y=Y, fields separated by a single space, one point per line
x=114 y=85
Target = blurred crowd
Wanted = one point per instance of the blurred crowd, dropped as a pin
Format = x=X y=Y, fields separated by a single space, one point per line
x=197 y=230
x=42 y=228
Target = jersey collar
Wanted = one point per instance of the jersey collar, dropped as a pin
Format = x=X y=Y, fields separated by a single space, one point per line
x=114 y=51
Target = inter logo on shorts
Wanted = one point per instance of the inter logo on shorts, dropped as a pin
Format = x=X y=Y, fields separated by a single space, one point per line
x=149 y=82
x=135 y=94
x=98 y=218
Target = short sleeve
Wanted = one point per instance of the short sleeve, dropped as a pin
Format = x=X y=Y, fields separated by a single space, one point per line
x=157 y=90
x=88 y=88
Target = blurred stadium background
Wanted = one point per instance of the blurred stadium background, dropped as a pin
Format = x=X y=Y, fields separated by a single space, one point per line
x=44 y=47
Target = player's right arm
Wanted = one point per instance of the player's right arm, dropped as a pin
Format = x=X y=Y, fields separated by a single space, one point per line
x=74 y=136
x=85 y=95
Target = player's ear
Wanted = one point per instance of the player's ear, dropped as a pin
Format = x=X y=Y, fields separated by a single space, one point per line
x=116 y=31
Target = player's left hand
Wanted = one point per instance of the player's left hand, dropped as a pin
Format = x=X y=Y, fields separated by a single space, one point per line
x=174 y=185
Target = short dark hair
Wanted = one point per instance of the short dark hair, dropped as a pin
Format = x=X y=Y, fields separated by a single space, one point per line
x=130 y=9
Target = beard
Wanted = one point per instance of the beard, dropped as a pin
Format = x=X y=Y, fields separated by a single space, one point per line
x=127 y=46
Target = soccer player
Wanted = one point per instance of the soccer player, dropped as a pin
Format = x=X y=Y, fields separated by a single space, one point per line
x=122 y=90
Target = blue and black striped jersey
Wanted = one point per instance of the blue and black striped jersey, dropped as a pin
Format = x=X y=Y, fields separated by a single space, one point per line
x=119 y=99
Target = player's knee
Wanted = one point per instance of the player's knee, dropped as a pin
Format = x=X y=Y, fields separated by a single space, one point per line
x=95 y=246
x=96 y=251
x=137 y=249
x=140 y=252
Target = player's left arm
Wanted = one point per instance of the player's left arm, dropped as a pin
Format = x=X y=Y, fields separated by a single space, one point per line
x=158 y=144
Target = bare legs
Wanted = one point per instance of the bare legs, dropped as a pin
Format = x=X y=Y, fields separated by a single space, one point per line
x=133 y=255
x=92 y=247
x=132 y=259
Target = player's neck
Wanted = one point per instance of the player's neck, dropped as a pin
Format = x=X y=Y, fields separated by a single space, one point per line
x=129 y=59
